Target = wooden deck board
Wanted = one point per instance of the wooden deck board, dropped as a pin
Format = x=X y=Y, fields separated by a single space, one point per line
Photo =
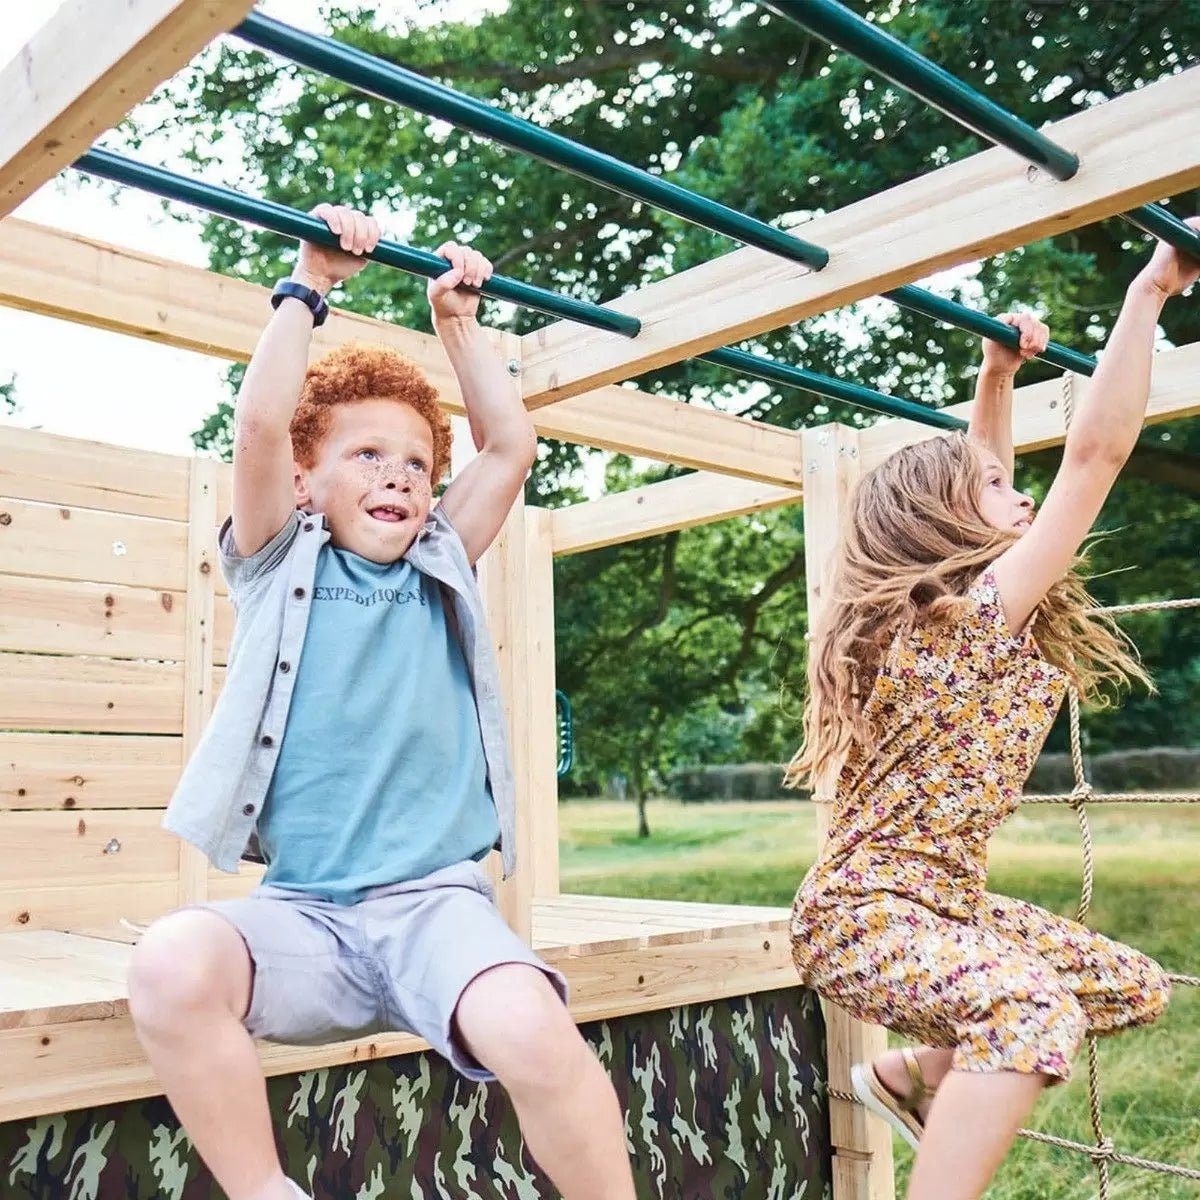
x=49 y=977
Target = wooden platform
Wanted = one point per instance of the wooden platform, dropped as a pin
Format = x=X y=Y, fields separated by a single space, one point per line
x=66 y=1039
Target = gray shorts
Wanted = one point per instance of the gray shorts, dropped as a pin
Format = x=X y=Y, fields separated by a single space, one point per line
x=398 y=961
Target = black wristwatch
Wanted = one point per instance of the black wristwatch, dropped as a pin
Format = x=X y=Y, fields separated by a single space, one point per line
x=317 y=304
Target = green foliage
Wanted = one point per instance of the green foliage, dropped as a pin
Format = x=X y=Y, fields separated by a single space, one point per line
x=693 y=644
x=8 y=396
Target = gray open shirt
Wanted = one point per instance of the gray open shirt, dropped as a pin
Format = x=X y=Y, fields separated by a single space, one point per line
x=225 y=782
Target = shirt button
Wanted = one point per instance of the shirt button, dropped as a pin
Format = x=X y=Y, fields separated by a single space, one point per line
x=308 y=525
x=248 y=809
x=298 y=593
x=267 y=740
x=285 y=667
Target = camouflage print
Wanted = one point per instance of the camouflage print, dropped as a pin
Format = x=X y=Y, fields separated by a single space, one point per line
x=722 y=1101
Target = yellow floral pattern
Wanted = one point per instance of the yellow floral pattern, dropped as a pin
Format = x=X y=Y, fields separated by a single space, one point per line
x=894 y=922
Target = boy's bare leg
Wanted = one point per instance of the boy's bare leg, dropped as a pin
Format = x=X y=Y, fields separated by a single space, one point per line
x=513 y=1022
x=189 y=987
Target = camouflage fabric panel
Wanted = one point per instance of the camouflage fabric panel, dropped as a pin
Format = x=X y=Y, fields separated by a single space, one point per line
x=723 y=1101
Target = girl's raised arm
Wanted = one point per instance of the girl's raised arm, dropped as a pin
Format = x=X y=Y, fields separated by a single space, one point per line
x=991 y=414
x=1099 y=441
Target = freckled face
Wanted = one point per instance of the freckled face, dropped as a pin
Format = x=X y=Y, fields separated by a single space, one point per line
x=1001 y=504
x=372 y=478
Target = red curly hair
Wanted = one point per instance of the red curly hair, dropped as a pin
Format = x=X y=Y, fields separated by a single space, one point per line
x=355 y=372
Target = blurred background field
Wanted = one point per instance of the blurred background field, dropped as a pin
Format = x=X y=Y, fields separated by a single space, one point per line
x=1147 y=893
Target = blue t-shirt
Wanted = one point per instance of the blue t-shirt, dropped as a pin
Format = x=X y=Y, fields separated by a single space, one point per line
x=381 y=776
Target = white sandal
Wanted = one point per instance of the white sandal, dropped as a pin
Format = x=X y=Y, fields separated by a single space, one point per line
x=900 y=1112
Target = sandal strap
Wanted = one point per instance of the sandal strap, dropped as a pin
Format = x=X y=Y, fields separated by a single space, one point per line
x=920 y=1089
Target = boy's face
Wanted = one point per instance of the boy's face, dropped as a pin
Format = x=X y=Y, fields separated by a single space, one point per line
x=372 y=478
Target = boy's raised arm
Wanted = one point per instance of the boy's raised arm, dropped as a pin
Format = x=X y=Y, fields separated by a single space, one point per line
x=479 y=498
x=263 y=466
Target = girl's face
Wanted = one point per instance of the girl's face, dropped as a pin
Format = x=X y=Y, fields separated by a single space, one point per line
x=1003 y=507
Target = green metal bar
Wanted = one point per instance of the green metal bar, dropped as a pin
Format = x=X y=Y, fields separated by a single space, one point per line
x=1157 y=221
x=292 y=223
x=834 y=389
x=836 y=24
x=907 y=69
x=394 y=83
x=401 y=86
x=957 y=314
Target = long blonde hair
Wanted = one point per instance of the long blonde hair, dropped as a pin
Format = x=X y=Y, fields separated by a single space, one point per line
x=916 y=540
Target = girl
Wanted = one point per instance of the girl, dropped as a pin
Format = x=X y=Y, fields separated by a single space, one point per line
x=953 y=626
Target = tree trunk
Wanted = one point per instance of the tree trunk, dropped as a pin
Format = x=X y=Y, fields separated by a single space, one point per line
x=639 y=796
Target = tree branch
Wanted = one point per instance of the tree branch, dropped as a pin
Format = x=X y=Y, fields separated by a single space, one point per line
x=666 y=592
x=577 y=233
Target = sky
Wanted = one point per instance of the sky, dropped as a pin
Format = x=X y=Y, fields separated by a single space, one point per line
x=106 y=386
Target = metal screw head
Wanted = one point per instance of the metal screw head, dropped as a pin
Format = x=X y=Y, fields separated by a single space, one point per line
x=1053 y=403
x=513 y=367
x=113 y=847
x=119 y=549
x=812 y=466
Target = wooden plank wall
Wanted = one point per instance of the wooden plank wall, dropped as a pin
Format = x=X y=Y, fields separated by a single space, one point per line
x=114 y=629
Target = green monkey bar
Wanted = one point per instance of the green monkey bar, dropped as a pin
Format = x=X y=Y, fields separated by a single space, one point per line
x=293 y=223
x=399 y=85
x=836 y=24
x=941 y=309
x=785 y=374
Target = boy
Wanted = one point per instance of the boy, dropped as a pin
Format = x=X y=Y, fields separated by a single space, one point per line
x=373 y=764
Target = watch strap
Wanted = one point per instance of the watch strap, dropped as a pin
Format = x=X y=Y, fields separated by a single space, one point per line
x=316 y=303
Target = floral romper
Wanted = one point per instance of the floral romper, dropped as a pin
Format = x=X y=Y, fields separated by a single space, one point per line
x=893 y=922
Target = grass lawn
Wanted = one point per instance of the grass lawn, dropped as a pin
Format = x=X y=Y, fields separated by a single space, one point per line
x=1147 y=893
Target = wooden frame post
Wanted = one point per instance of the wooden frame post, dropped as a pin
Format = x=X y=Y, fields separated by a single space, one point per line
x=862 y=1144
x=501 y=576
x=541 y=777
x=198 y=646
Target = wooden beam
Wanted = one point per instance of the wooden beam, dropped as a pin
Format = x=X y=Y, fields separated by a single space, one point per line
x=696 y=499
x=64 y=275
x=542 y=756
x=74 y=278
x=862 y=1144
x=983 y=205
x=84 y=70
x=641 y=423
x=1038 y=408
x=502 y=581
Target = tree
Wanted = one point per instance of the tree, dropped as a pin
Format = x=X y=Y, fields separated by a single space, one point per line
x=746 y=108
x=8 y=396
